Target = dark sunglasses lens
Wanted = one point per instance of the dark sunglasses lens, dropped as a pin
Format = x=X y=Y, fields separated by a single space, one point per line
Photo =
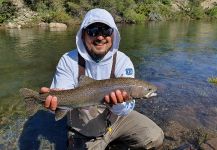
x=95 y=31
x=107 y=32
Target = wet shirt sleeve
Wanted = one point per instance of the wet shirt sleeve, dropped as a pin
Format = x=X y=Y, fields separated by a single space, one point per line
x=124 y=68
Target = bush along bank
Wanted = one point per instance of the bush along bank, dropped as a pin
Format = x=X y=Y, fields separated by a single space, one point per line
x=31 y=12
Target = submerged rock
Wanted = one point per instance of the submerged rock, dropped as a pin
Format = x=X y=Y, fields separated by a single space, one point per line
x=186 y=146
x=153 y=16
x=57 y=25
x=11 y=25
x=210 y=144
x=43 y=25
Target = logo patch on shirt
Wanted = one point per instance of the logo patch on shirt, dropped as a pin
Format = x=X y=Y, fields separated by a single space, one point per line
x=129 y=71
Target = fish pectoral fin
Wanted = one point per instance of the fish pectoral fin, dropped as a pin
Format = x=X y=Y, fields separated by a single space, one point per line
x=60 y=112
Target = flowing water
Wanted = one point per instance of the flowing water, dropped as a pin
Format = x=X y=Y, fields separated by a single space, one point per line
x=178 y=57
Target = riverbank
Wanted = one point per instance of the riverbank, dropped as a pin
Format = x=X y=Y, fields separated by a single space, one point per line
x=28 y=13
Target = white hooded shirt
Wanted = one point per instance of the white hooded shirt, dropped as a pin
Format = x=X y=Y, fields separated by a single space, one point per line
x=66 y=76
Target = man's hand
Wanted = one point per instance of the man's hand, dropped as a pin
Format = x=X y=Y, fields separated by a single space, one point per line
x=116 y=97
x=51 y=101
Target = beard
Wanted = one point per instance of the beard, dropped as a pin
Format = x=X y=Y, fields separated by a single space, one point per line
x=98 y=54
x=97 y=49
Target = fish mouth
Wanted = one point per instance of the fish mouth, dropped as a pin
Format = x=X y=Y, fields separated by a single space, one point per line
x=152 y=94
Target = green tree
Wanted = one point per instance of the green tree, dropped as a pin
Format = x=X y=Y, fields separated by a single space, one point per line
x=108 y=5
x=195 y=9
x=212 y=12
x=7 y=10
x=131 y=16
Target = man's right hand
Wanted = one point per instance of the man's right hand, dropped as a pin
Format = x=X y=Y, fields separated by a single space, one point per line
x=51 y=101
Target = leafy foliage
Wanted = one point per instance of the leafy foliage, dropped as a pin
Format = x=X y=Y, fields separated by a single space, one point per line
x=212 y=12
x=197 y=13
x=166 y=2
x=194 y=10
x=131 y=11
x=7 y=10
x=77 y=8
x=132 y=17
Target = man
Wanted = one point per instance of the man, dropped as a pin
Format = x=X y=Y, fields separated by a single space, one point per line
x=97 y=57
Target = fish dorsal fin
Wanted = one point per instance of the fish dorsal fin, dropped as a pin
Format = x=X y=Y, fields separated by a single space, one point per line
x=84 y=80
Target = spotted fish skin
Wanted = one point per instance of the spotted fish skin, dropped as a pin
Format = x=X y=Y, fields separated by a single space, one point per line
x=91 y=92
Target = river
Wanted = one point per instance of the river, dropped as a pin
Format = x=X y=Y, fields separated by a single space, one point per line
x=178 y=57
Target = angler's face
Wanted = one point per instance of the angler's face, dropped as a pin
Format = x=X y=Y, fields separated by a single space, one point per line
x=98 y=39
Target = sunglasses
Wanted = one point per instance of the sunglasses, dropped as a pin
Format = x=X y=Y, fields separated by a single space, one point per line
x=99 y=30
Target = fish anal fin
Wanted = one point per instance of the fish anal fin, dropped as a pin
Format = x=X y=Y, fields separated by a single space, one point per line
x=84 y=80
x=60 y=112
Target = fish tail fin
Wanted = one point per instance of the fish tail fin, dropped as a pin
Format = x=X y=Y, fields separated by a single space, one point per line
x=28 y=93
x=30 y=97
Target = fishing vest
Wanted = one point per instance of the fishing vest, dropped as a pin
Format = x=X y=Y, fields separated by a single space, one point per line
x=91 y=121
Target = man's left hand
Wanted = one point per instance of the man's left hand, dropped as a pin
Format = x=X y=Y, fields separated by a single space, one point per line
x=116 y=97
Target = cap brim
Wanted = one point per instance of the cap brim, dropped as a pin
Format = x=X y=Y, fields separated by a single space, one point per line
x=97 y=22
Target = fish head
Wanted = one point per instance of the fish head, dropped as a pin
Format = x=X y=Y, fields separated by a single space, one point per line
x=143 y=90
x=149 y=91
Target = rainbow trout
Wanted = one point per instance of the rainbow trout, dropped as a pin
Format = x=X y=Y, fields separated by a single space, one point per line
x=89 y=92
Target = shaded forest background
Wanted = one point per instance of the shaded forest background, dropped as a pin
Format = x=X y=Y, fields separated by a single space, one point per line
x=127 y=11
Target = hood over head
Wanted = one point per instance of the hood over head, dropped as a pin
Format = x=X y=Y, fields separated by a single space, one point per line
x=102 y=16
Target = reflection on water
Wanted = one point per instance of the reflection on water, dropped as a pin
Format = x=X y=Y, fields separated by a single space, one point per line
x=177 y=57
